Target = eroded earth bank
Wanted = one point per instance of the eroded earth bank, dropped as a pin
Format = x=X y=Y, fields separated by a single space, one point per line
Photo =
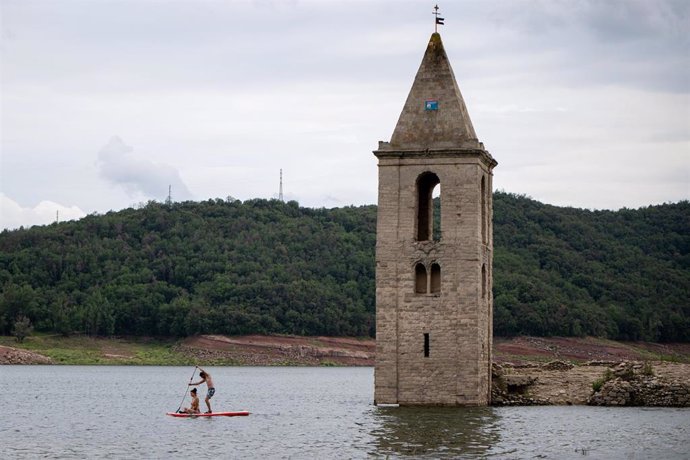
x=527 y=370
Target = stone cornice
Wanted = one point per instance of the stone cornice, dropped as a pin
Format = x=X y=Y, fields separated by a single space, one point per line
x=402 y=154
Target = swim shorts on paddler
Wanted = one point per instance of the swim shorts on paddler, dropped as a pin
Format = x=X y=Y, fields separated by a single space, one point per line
x=211 y=392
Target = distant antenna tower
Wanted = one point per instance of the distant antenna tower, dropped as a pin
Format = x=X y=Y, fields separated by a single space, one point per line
x=57 y=216
x=169 y=200
x=280 y=192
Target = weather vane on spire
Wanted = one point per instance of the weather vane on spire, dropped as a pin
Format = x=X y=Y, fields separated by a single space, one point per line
x=439 y=19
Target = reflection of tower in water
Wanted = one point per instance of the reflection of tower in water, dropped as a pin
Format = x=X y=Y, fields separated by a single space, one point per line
x=436 y=432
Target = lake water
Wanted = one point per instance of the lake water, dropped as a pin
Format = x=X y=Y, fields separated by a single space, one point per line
x=299 y=412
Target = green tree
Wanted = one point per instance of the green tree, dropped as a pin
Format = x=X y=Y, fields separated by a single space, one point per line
x=22 y=328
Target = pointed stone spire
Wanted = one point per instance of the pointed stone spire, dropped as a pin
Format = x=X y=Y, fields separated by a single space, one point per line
x=434 y=116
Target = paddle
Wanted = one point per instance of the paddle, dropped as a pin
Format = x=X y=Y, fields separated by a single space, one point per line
x=187 y=389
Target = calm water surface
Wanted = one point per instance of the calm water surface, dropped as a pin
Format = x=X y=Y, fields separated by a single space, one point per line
x=119 y=412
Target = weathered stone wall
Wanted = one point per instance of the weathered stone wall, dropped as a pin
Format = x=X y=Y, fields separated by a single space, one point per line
x=458 y=319
x=434 y=134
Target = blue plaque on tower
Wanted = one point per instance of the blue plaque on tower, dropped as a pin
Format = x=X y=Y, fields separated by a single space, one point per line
x=431 y=105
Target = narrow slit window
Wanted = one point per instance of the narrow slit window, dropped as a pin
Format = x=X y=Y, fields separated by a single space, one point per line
x=426 y=344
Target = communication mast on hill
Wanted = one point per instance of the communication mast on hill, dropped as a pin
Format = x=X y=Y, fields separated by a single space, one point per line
x=168 y=201
x=280 y=191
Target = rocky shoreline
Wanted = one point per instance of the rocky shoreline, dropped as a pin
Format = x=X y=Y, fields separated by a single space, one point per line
x=636 y=384
x=596 y=383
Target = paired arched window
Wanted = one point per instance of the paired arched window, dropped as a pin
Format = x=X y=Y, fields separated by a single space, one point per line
x=435 y=279
x=428 y=215
x=420 y=279
x=427 y=282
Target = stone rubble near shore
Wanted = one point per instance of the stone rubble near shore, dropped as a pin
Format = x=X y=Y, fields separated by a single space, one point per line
x=509 y=389
x=10 y=355
x=562 y=383
x=632 y=384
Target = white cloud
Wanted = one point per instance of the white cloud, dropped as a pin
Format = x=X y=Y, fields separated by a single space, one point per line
x=138 y=176
x=13 y=216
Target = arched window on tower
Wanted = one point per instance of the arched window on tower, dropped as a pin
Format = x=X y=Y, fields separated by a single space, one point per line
x=483 y=212
x=426 y=183
x=435 y=278
x=420 y=279
x=484 y=281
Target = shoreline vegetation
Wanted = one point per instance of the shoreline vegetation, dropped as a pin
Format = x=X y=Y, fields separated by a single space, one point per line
x=526 y=370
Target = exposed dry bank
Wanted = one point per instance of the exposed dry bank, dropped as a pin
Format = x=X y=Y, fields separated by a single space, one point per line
x=527 y=370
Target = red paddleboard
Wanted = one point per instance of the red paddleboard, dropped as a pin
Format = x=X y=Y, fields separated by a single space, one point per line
x=241 y=413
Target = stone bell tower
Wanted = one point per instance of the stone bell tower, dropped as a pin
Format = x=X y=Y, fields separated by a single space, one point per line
x=434 y=264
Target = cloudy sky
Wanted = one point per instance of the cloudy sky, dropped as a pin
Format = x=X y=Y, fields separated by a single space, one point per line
x=105 y=104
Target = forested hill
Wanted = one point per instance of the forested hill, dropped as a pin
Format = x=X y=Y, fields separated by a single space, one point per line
x=264 y=266
x=619 y=274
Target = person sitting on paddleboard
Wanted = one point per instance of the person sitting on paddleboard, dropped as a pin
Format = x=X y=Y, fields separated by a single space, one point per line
x=194 y=408
x=206 y=377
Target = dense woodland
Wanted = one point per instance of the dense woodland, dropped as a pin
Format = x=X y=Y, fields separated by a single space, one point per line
x=264 y=266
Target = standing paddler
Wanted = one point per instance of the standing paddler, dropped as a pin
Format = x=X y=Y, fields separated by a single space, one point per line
x=206 y=377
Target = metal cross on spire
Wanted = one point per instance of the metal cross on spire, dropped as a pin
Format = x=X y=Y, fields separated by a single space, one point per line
x=439 y=19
